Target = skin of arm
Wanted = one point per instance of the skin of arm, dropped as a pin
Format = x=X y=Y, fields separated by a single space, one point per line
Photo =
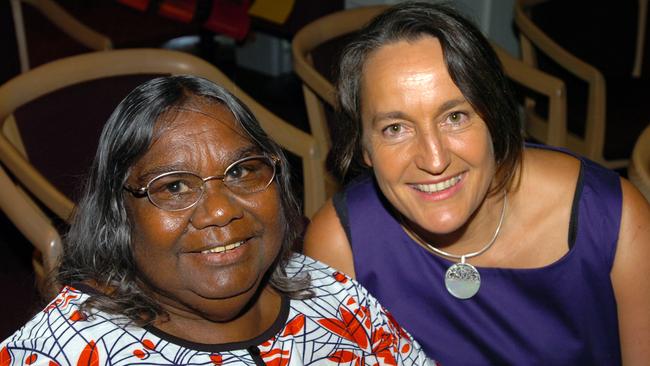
x=630 y=275
x=325 y=240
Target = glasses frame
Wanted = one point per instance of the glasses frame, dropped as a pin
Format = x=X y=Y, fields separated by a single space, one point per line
x=144 y=191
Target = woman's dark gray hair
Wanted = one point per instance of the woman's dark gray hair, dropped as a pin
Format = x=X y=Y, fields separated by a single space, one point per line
x=97 y=249
x=471 y=63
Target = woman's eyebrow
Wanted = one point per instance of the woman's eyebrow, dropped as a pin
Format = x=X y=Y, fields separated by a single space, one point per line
x=450 y=104
x=243 y=152
x=388 y=115
x=153 y=172
x=231 y=157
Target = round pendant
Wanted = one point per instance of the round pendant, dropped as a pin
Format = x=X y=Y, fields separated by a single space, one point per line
x=462 y=280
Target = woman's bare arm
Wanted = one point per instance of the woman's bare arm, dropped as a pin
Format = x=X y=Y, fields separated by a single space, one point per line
x=630 y=276
x=326 y=241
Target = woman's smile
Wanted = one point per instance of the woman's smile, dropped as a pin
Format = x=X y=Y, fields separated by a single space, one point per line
x=430 y=151
x=223 y=248
x=233 y=252
x=438 y=186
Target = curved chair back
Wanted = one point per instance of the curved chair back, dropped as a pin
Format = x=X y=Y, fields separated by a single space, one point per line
x=551 y=129
x=63 y=20
x=316 y=87
x=626 y=118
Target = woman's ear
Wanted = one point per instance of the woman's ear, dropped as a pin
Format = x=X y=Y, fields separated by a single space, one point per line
x=366 y=156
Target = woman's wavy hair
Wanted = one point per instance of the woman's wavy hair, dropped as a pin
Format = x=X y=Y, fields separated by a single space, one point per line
x=97 y=249
x=471 y=63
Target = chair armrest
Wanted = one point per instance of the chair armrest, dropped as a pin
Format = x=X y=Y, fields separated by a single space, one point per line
x=35 y=181
x=531 y=33
x=29 y=220
x=542 y=83
x=596 y=111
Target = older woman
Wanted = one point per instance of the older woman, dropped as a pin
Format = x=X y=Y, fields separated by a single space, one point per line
x=179 y=252
x=488 y=251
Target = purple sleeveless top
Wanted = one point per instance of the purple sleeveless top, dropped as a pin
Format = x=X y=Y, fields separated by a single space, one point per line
x=560 y=314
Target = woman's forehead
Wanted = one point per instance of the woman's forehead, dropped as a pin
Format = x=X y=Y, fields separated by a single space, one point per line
x=186 y=115
x=189 y=121
x=190 y=135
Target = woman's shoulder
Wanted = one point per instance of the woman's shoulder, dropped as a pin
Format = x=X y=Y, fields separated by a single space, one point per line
x=329 y=285
x=549 y=179
x=59 y=332
x=325 y=280
x=552 y=164
x=552 y=171
x=300 y=264
x=65 y=307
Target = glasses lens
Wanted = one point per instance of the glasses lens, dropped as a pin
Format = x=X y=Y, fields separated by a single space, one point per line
x=250 y=175
x=175 y=191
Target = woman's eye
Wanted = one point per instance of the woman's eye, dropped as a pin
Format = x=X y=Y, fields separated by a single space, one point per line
x=240 y=171
x=177 y=187
x=235 y=172
x=392 y=130
x=456 y=119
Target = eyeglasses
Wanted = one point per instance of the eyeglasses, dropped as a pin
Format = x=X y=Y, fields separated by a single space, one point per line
x=180 y=190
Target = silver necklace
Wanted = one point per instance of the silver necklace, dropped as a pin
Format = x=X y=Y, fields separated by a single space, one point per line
x=462 y=279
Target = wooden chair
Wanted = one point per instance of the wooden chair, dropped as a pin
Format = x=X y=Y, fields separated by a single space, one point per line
x=639 y=169
x=67 y=23
x=611 y=123
x=46 y=30
x=330 y=32
x=317 y=88
x=35 y=227
x=28 y=90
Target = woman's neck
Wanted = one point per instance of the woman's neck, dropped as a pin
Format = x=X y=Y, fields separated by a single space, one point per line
x=193 y=326
x=470 y=237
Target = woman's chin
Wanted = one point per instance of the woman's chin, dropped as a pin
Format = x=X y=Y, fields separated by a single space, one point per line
x=440 y=222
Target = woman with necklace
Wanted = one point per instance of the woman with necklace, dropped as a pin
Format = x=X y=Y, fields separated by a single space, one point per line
x=487 y=250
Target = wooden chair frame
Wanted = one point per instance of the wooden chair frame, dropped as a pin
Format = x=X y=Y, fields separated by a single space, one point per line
x=532 y=38
x=34 y=225
x=62 y=19
x=71 y=70
x=316 y=88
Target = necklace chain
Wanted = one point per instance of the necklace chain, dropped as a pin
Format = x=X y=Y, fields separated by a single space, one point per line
x=468 y=255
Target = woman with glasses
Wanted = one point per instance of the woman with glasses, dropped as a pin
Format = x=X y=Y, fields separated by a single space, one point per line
x=179 y=252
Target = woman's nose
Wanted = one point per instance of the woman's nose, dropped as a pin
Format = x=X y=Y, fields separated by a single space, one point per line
x=217 y=207
x=432 y=154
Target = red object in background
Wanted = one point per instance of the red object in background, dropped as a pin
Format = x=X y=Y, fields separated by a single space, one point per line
x=141 y=5
x=229 y=17
x=181 y=10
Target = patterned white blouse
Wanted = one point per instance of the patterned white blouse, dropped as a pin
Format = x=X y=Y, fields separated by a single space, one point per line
x=340 y=325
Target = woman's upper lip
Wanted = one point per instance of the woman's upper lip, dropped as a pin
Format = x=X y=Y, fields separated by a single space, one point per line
x=437 y=180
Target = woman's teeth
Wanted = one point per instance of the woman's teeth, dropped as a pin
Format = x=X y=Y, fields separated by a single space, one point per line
x=223 y=248
x=437 y=187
